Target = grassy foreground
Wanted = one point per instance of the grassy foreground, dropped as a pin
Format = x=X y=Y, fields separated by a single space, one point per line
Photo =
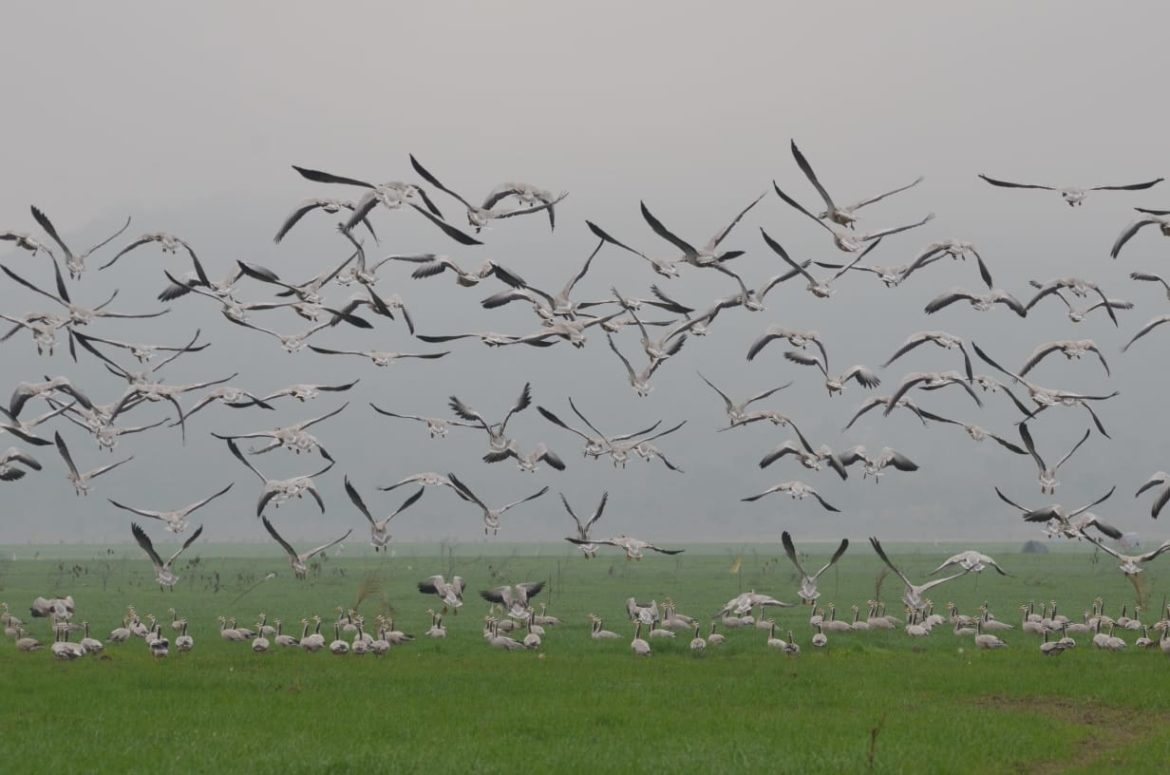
x=878 y=702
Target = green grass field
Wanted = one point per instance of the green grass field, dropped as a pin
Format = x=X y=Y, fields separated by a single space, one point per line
x=879 y=702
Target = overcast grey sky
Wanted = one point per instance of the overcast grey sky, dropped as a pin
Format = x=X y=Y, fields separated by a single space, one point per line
x=187 y=118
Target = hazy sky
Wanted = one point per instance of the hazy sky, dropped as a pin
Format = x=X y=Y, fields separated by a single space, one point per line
x=187 y=118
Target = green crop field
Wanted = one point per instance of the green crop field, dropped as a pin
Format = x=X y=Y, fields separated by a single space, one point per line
x=876 y=701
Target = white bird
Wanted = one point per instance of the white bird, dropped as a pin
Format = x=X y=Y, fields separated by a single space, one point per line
x=164 y=576
x=451 y=593
x=737 y=412
x=633 y=547
x=707 y=255
x=863 y=375
x=491 y=517
x=277 y=491
x=1048 y=480
x=956 y=249
x=299 y=562
x=1152 y=218
x=639 y=646
x=9 y=461
x=479 y=217
x=379 y=358
x=1065 y=522
x=497 y=440
x=583 y=542
x=1074 y=197
x=176 y=520
x=980 y=302
x=847 y=242
x=437 y=427
x=808 y=583
x=379 y=528
x=1131 y=564
x=1159 y=479
x=1147 y=328
x=940 y=338
x=1072 y=349
x=913 y=596
x=797 y=490
x=514 y=597
x=528 y=462
x=821 y=289
x=842 y=216
x=970 y=561
x=874 y=466
x=325 y=206
x=392 y=195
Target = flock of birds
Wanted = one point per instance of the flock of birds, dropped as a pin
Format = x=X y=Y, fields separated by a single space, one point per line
x=60 y=404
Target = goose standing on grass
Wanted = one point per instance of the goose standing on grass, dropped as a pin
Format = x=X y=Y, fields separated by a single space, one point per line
x=808 y=583
x=379 y=528
x=164 y=576
x=597 y=632
x=312 y=642
x=986 y=640
x=913 y=596
x=337 y=646
x=773 y=642
x=1159 y=479
x=299 y=562
x=842 y=216
x=639 y=646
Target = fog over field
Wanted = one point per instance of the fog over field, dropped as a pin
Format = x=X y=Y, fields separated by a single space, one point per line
x=188 y=120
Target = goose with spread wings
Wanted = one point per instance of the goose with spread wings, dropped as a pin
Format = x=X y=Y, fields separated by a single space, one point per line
x=79 y=480
x=379 y=528
x=1158 y=479
x=299 y=562
x=941 y=339
x=821 y=289
x=582 y=541
x=1064 y=522
x=491 y=517
x=1157 y=218
x=514 y=597
x=707 y=255
x=74 y=262
x=635 y=548
x=479 y=217
x=497 y=440
x=797 y=491
x=842 y=216
x=1073 y=196
x=1048 y=480
x=176 y=520
x=392 y=195
x=163 y=575
x=808 y=582
x=848 y=242
x=913 y=596
x=277 y=491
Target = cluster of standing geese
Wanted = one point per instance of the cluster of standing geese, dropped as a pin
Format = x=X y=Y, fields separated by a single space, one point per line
x=559 y=317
